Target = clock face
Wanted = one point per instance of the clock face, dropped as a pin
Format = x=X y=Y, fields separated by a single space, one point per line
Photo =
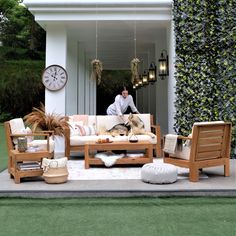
x=54 y=77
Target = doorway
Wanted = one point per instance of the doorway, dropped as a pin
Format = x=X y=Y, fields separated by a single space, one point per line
x=112 y=81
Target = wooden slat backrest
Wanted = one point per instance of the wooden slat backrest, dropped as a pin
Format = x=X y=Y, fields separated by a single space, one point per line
x=210 y=141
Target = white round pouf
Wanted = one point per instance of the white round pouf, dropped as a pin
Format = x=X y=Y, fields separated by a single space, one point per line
x=159 y=173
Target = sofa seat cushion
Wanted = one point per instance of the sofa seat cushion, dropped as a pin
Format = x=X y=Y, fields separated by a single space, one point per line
x=108 y=122
x=145 y=137
x=81 y=140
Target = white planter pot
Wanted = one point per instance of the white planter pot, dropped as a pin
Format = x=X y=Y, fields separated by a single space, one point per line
x=59 y=150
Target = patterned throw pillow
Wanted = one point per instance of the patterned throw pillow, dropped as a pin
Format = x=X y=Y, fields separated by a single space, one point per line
x=85 y=130
x=77 y=128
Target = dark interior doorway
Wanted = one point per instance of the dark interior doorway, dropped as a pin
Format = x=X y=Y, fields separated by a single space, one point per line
x=109 y=87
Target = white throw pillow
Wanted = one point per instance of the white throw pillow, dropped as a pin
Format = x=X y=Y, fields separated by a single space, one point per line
x=16 y=125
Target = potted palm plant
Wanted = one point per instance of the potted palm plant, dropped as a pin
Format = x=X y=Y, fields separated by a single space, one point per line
x=38 y=119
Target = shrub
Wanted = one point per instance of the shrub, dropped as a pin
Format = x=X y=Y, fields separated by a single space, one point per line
x=21 y=87
x=205 y=63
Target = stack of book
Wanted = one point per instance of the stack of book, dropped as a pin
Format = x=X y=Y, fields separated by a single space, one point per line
x=29 y=166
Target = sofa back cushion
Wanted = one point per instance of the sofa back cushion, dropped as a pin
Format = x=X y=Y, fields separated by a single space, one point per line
x=83 y=119
x=108 y=121
x=146 y=118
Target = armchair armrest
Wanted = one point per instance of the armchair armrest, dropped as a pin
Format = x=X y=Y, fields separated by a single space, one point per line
x=50 y=132
x=67 y=141
x=184 y=137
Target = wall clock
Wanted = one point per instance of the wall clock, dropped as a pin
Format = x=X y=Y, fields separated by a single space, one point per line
x=54 y=77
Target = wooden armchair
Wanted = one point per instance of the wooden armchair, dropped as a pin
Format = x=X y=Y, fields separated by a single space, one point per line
x=209 y=146
x=16 y=158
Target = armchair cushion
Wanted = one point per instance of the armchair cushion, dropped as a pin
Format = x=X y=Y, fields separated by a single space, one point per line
x=42 y=144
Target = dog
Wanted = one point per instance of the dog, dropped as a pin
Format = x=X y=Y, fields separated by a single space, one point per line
x=116 y=130
x=137 y=126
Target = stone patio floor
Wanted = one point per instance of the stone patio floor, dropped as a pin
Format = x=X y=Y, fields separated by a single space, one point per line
x=215 y=185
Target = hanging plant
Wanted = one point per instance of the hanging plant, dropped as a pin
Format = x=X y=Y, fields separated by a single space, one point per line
x=134 y=69
x=96 y=70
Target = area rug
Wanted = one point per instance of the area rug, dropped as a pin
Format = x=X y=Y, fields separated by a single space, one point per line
x=78 y=172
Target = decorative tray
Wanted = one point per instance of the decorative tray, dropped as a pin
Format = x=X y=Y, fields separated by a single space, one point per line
x=104 y=142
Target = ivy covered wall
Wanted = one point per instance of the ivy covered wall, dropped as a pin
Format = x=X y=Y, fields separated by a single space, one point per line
x=205 y=62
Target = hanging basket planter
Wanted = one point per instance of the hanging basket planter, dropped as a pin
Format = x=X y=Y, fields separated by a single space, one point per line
x=96 y=70
x=134 y=69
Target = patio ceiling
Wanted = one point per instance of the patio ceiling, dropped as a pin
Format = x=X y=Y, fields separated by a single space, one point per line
x=115 y=26
x=116 y=40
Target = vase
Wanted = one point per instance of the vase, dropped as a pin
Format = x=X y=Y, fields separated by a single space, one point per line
x=22 y=144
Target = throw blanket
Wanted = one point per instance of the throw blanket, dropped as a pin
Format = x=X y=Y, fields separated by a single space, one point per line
x=170 y=143
x=109 y=158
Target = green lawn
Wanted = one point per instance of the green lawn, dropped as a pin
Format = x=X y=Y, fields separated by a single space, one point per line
x=118 y=216
x=3 y=149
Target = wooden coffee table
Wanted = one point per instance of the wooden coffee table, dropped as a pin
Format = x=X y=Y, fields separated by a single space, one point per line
x=125 y=145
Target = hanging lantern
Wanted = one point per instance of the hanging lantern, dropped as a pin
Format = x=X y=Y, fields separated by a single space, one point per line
x=145 y=77
x=163 y=65
x=152 y=73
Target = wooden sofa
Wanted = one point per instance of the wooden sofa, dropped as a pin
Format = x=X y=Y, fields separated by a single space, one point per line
x=77 y=143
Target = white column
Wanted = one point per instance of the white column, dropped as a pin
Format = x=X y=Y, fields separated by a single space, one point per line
x=72 y=84
x=81 y=79
x=171 y=81
x=56 y=53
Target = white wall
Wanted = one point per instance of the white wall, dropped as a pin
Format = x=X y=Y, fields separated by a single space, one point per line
x=154 y=97
x=161 y=87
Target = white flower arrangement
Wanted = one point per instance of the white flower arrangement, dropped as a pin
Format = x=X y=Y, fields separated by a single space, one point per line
x=96 y=70
x=134 y=69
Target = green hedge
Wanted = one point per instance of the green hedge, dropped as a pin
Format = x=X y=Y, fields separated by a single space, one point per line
x=205 y=62
x=20 y=87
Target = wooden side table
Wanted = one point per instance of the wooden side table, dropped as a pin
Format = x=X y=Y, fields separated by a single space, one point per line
x=20 y=157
